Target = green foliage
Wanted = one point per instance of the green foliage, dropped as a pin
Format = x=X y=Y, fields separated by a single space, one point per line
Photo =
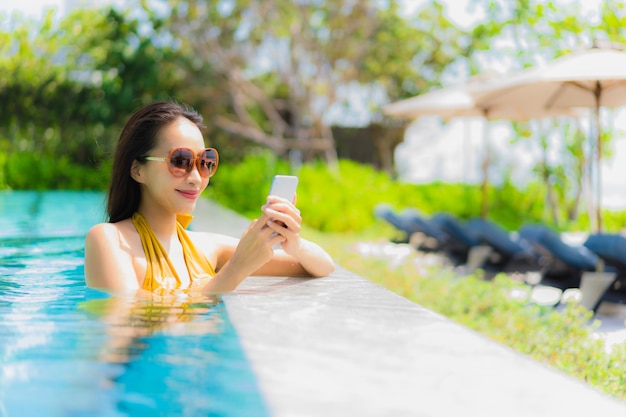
x=74 y=82
x=343 y=199
x=411 y=53
x=244 y=186
x=28 y=171
x=282 y=65
x=331 y=200
x=614 y=221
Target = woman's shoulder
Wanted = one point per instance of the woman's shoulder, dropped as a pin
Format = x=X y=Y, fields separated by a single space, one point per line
x=109 y=255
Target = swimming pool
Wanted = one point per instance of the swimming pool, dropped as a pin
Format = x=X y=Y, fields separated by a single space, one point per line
x=66 y=350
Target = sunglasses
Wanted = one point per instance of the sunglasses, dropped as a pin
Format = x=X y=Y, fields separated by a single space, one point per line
x=182 y=160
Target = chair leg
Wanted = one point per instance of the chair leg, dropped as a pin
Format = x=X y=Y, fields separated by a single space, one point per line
x=477 y=256
x=593 y=285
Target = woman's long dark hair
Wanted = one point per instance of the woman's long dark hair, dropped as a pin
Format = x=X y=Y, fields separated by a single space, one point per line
x=138 y=137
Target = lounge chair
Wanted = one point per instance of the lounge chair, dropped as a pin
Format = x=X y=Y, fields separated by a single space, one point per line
x=463 y=247
x=425 y=235
x=415 y=228
x=566 y=266
x=428 y=234
x=475 y=244
x=387 y=213
x=611 y=248
x=510 y=253
x=562 y=263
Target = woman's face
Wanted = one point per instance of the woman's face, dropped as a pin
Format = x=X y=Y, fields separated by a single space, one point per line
x=159 y=187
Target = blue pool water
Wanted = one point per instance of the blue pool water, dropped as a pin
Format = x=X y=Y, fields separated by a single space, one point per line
x=66 y=350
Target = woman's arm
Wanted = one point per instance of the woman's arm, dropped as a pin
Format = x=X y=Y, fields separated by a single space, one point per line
x=309 y=260
x=253 y=254
x=236 y=260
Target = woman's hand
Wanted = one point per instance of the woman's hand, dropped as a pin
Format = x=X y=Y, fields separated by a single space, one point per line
x=255 y=245
x=253 y=250
x=284 y=220
x=254 y=254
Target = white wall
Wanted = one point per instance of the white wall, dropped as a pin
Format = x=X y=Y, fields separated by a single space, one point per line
x=453 y=152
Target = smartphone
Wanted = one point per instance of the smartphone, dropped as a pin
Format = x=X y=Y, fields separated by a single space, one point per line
x=284 y=186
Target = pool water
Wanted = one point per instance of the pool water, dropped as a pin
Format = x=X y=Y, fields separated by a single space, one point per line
x=66 y=350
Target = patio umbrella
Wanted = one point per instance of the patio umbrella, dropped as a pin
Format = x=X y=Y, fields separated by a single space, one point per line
x=459 y=101
x=447 y=103
x=591 y=78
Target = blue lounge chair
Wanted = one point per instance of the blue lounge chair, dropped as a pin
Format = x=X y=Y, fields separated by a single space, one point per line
x=425 y=235
x=387 y=213
x=562 y=264
x=565 y=266
x=561 y=261
x=458 y=242
x=477 y=244
x=431 y=235
x=409 y=222
x=421 y=224
x=463 y=246
x=611 y=248
x=510 y=252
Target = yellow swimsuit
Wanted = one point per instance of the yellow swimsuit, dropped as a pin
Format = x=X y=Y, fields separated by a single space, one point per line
x=161 y=276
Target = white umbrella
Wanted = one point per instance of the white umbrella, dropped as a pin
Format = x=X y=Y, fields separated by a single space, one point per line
x=460 y=101
x=447 y=103
x=591 y=78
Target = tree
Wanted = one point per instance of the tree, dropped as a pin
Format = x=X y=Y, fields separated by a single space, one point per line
x=74 y=82
x=284 y=67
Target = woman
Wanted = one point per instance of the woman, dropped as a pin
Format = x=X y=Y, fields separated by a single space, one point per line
x=161 y=167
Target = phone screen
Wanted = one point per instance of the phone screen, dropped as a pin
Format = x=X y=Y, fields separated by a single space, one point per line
x=284 y=186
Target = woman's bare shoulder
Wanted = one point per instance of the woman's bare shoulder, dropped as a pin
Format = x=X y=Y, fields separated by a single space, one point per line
x=108 y=257
x=102 y=233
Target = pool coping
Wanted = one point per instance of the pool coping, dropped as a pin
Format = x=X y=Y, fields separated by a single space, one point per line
x=342 y=345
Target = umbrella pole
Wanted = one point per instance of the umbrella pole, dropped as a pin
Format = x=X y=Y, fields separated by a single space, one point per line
x=598 y=161
x=597 y=92
x=486 y=162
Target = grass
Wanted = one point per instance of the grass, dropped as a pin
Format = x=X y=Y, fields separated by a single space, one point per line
x=563 y=339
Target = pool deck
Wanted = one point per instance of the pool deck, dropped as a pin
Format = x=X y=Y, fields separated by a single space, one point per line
x=343 y=346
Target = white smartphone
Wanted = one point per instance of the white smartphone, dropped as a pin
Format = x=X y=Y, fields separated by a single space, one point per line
x=284 y=186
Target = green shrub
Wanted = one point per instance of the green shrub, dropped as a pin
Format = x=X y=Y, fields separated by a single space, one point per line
x=343 y=198
x=3 y=180
x=244 y=186
x=29 y=171
x=332 y=199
